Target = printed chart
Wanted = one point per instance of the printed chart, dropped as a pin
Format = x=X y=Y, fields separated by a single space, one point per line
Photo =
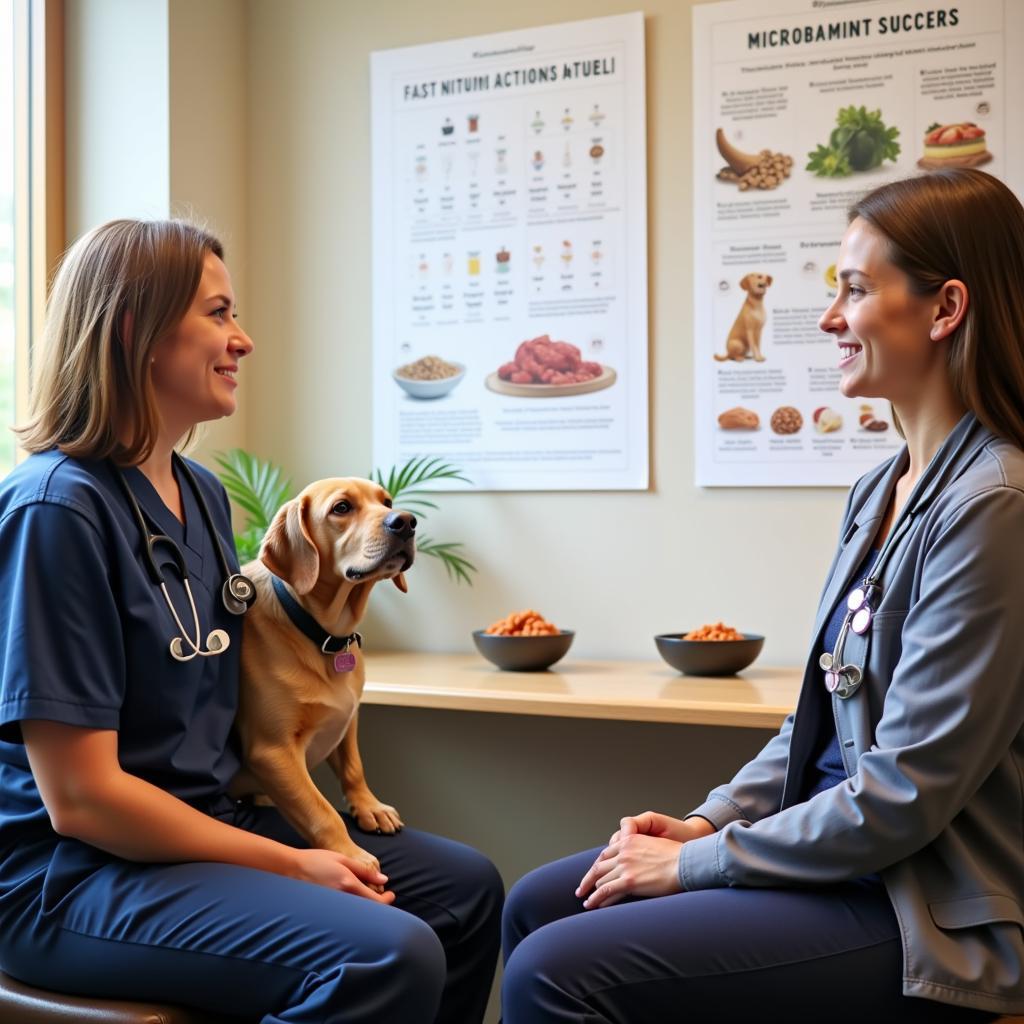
x=510 y=297
x=799 y=110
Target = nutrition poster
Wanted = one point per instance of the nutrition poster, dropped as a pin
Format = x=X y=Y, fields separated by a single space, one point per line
x=509 y=256
x=800 y=107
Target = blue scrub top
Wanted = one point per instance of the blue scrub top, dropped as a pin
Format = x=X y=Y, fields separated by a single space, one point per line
x=84 y=640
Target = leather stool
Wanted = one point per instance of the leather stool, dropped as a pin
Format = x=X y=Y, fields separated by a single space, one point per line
x=22 y=1004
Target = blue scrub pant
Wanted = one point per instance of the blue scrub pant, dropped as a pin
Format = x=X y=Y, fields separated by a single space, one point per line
x=232 y=940
x=825 y=956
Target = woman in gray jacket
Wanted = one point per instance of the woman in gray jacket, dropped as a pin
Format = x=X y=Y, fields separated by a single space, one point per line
x=868 y=864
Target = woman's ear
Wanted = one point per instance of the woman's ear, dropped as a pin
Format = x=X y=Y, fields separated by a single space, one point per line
x=950 y=309
x=288 y=550
x=126 y=331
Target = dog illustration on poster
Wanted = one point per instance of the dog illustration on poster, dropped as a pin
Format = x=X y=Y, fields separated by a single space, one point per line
x=744 y=341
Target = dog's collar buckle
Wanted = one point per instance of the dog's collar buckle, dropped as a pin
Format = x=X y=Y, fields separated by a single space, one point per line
x=338 y=644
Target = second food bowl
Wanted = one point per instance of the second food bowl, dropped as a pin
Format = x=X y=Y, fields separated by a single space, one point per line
x=523 y=653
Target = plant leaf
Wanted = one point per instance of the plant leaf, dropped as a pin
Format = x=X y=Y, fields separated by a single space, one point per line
x=457 y=567
x=256 y=486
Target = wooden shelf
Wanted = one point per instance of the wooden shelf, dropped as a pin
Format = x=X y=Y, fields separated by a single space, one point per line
x=636 y=691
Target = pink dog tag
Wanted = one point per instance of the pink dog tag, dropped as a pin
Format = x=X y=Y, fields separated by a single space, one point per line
x=344 y=661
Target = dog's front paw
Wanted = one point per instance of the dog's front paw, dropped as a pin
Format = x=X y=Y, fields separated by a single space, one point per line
x=373 y=816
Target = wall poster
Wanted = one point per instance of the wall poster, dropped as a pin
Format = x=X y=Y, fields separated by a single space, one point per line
x=510 y=256
x=800 y=107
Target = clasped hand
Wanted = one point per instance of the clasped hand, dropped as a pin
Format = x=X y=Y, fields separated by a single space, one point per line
x=641 y=859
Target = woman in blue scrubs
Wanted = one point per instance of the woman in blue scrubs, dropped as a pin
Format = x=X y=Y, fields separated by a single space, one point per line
x=125 y=870
x=868 y=864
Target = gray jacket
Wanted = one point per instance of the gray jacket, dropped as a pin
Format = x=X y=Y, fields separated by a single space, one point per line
x=933 y=740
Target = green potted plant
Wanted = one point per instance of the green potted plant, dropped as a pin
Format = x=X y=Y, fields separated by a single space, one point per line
x=259 y=488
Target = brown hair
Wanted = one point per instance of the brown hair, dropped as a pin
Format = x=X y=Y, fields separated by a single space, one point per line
x=93 y=394
x=965 y=224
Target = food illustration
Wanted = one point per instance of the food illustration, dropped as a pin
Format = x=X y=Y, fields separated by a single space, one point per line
x=745 y=334
x=538 y=256
x=500 y=164
x=501 y=257
x=537 y=124
x=567 y=119
x=826 y=420
x=954 y=145
x=786 y=420
x=714 y=631
x=474 y=122
x=538 y=161
x=596 y=116
x=566 y=255
x=428 y=368
x=868 y=422
x=830 y=277
x=739 y=419
x=524 y=623
x=473 y=264
x=762 y=170
x=447 y=128
x=543 y=361
x=859 y=142
x=596 y=152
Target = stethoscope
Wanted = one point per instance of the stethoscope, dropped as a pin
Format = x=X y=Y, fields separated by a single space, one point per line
x=237 y=593
x=842 y=678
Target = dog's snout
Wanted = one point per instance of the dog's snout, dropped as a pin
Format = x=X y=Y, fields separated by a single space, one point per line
x=401 y=524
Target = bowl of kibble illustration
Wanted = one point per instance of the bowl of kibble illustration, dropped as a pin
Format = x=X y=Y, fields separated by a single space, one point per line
x=523 y=642
x=710 y=650
x=429 y=377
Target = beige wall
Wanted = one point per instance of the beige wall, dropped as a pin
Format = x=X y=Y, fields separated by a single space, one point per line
x=617 y=567
x=208 y=87
x=116 y=109
x=155 y=93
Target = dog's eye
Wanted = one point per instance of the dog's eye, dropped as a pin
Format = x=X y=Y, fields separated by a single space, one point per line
x=340 y=508
x=387 y=503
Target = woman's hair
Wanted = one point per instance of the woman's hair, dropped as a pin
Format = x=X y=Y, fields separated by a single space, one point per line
x=965 y=224
x=120 y=288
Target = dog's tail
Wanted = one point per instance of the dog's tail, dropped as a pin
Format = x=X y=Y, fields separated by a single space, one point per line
x=722 y=359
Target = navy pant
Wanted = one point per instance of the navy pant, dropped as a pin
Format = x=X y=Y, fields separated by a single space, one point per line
x=825 y=956
x=234 y=940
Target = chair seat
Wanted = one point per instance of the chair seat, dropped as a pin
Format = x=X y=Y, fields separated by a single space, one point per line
x=28 y=1005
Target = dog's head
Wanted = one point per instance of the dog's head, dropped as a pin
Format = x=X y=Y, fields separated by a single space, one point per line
x=756 y=284
x=344 y=529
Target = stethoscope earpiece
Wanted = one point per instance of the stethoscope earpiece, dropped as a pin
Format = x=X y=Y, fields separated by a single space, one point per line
x=216 y=643
x=237 y=593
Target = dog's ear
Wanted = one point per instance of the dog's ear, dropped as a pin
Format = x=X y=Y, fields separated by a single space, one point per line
x=288 y=550
x=399 y=581
x=745 y=282
x=768 y=278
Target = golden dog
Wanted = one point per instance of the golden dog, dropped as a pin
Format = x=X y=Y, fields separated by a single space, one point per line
x=298 y=702
x=745 y=334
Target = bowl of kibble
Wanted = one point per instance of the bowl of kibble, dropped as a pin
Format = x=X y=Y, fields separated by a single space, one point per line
x=710 y=650
x=429 y=377
x=523 y=642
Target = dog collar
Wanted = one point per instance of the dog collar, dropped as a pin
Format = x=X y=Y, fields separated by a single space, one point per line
x=308 y=626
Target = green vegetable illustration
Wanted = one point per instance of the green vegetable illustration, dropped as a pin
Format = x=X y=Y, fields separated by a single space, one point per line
x=859 y=142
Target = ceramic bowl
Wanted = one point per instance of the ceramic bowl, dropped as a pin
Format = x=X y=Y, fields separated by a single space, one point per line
x=430 y=388
x=709 y=657
x=523 y=653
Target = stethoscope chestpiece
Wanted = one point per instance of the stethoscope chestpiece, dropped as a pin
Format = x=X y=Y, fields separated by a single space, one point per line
x=238 y=593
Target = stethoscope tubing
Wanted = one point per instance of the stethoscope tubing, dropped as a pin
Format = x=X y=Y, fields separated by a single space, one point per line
x=840 y=678
x=237 y=592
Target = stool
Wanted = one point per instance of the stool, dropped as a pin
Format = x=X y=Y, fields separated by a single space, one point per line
x=22 y=1004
